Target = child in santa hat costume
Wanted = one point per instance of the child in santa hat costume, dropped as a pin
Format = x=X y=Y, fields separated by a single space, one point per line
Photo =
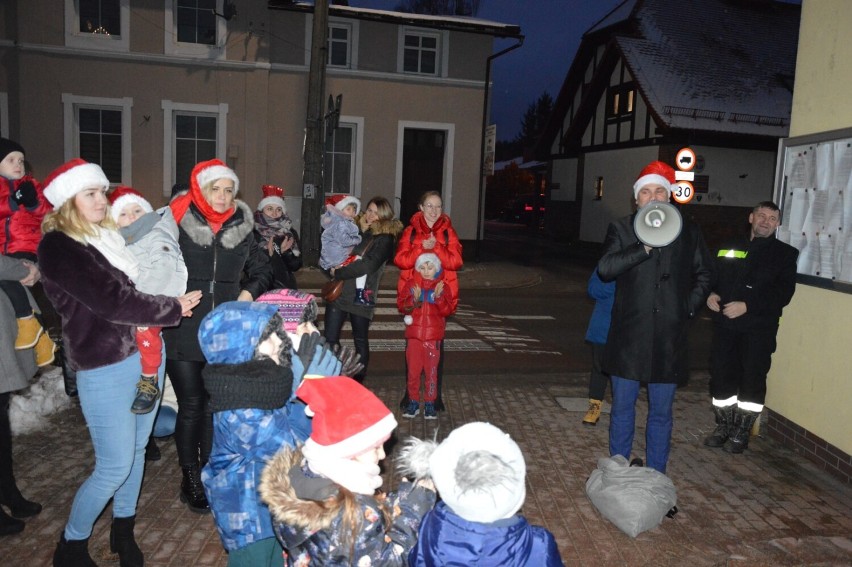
x=340 y=234
x=22 y=208
x=426 y=302
x=275 y=234
x=151 y=236
x=323 y=497
x=479 y=472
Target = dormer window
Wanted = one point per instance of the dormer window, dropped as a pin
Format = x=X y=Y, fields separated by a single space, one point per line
x=621 y=101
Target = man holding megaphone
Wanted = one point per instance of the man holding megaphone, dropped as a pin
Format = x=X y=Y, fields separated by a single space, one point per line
x=663 y=273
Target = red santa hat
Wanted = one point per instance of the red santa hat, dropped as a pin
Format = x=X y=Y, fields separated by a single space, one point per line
x=272 y=195
x=72 y=177
x=123 y=196
x=658 y=173
x=341 y=201
x=348 y=419
x=209 y=171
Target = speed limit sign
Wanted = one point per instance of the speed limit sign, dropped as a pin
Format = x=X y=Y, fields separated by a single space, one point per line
x=683 y=192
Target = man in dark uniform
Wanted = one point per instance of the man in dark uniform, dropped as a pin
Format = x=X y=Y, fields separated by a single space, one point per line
x=756 y=278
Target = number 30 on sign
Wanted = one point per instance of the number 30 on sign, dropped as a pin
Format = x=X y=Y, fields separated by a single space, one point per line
x=683 y=192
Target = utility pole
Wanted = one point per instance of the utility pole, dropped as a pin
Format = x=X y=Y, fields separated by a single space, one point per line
x=313 y=192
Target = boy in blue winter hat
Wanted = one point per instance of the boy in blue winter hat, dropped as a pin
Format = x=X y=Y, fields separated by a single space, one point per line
x=251 y=375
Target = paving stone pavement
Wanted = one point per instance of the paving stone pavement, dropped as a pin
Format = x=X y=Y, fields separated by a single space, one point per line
x=765 y=507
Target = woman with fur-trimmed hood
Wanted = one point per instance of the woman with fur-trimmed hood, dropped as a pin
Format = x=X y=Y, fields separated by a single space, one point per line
x=380 y=231
x=323 y=499
x=216 y=237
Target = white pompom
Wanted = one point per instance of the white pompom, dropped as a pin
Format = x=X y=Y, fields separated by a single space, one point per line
x=408 y=319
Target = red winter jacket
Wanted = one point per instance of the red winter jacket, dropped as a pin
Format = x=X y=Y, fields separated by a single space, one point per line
x=429 y=314
x=21 y=227
x=447 y=248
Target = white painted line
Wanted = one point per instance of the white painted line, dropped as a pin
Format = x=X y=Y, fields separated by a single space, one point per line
x=528 y=351
x=528 y=317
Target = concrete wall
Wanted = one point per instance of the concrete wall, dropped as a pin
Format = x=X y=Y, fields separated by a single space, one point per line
x=810 y=380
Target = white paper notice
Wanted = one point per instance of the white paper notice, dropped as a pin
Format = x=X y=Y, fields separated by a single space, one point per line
x=799 y=204
x=826 y=256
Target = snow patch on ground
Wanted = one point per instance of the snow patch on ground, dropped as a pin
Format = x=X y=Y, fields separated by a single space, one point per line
x=29 y=408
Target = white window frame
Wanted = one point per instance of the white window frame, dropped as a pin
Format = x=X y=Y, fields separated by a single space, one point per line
x=354 y=38
x=71 y=129
x=174 y=47
x=357 y=123
x=450 y=130
x=169 y=109
x=4 y=114
x=348 y=27
x=75 y=38
x=442 y=58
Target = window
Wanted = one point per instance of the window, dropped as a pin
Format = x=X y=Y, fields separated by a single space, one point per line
x=621 y=101
x=339 y=41
x=338 y=170
x=421 y=52
x=100 y=138
x=193 y=29
x=193 y=133
x=196 y=21
x=98 y=24
x=98 y=130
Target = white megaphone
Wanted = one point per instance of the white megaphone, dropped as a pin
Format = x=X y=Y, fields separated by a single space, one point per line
x=657 y=224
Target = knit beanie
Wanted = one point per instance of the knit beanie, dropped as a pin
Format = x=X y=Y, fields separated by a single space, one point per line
x=8 y=146
x=294 y=306
x=480 y=473
x=229 y=335
x=72 y=177
x=272 y=195
x=123 y=196
x=341 y=201
x=348 y=419
x=428 y=257
x=655 y=172
x=210 y=171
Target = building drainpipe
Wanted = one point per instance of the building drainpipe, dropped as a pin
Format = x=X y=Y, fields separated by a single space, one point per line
x=481 y=205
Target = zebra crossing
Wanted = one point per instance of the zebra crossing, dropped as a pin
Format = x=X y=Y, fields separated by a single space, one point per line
x=468 y=330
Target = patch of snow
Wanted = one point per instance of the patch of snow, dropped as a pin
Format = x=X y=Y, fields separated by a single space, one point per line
x=29 y=408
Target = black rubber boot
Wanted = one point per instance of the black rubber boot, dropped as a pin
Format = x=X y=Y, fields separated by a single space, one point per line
x=192 y=491
x=74 y=553
x=121 y=541
x=724 y=426
x=152 y=452
x=738 y=441
x=9 y=525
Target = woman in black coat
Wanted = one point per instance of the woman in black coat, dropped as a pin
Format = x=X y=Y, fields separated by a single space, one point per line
x=378 y=243
x=275 y=235
x=222 y=260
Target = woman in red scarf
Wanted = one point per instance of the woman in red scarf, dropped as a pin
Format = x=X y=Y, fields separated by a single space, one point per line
x=218 y=245
x=430 y=230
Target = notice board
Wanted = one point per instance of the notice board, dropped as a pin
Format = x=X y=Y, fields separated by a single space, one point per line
x=813 y=188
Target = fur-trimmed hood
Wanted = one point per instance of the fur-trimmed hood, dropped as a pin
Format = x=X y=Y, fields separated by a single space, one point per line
x=276 y=490
x=234 y=230
x=392 y=226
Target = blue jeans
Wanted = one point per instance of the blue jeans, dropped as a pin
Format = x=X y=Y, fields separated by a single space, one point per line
x=118 y=437
x=658 y=431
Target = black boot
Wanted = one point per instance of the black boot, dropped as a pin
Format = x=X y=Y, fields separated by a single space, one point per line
x=74 y=553
x=192 y=491
x=738 y=441
x=152 y=452
x=9 y=525
x=10 y=496
x=724 y=425
x=121 y=541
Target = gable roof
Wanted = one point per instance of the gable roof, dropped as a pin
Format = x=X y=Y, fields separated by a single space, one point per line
x=721 y=66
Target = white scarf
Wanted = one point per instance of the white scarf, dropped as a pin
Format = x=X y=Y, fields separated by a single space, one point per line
x=360 y=478
x=111 y=244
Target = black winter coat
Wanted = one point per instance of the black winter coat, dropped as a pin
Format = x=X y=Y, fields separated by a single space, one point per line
x=284 y=265
x=655 y=296
x=215 y=266
x=765 y=280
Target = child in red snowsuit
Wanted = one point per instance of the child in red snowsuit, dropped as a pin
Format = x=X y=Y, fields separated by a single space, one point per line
x=426 y=302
